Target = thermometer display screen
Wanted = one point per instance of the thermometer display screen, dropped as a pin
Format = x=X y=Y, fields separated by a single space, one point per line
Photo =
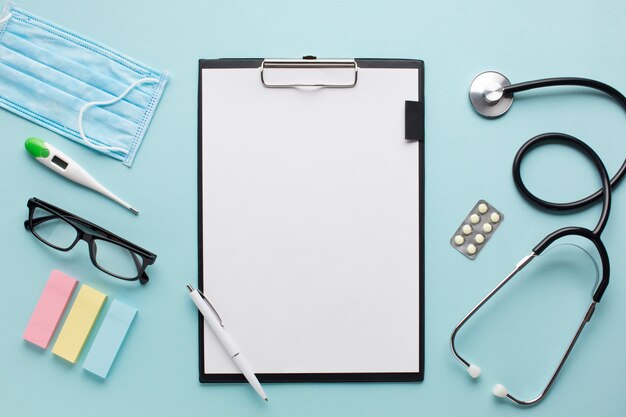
x=58 y=161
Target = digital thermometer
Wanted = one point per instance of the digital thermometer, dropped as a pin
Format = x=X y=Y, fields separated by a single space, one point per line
x=60 y=163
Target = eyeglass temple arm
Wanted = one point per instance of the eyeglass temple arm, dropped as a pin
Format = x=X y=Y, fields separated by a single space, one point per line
x=541 y=396
x=62 y=213
x=82 y=222
x=42 y=219
x=39 y=220
x=143 y=278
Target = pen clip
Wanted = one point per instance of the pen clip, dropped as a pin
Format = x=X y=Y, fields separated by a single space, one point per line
x=212 y=307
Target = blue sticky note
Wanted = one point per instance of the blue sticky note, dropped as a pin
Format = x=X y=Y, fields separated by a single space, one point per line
x=109 y=339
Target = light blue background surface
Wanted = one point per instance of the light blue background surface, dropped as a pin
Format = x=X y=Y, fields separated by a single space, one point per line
x=467 y=157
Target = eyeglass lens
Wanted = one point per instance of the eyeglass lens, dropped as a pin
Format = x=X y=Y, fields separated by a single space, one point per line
x=52 y=229
x=116 y=259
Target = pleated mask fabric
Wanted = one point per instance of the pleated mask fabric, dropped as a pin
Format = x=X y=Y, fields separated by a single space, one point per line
x=74 y=86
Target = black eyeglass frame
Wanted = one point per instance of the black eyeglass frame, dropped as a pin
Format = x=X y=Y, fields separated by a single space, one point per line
x=84 y=231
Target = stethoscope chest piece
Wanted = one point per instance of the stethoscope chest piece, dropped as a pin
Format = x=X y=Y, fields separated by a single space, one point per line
x=487 y=94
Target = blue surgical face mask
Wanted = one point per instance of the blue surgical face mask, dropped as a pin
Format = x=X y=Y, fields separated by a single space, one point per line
x=75 y=86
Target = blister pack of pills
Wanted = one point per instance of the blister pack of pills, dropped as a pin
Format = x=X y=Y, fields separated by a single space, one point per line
x=476 y=229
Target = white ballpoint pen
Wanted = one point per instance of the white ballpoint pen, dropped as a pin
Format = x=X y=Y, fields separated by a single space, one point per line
x=213 y=319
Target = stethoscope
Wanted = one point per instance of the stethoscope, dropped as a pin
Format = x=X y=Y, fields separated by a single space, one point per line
x=491 y=95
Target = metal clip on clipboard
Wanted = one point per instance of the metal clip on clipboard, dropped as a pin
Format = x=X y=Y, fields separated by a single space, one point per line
x=309 y=72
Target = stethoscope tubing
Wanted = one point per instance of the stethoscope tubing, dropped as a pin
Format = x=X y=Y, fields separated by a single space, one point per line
x=594 y=236
x=604 y=192
x=574 y=82
x=587 y=151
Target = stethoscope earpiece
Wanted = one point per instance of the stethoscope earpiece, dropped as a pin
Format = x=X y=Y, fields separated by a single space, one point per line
x=487 y=94
x=499 y=390
x=474 y=370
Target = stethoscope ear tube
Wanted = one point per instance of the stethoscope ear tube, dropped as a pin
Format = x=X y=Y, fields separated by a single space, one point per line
x=474 y=371
x=589 y=235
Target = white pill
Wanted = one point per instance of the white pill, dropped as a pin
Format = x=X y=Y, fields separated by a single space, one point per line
x=458 y=240
x=482 y=208
x=467 y=229
x=479 y=238
x=495 y=217
x=471 y=249
x=474 y=218
x=487 y=228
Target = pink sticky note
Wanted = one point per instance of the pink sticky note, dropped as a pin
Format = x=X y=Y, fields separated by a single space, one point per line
x=50 y=308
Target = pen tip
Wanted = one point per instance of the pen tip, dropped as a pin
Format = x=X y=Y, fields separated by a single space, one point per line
x=190 y=288
x=267 y=399
x=134 y=210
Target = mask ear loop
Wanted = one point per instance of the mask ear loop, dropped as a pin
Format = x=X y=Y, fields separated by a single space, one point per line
x=87 y=106
x=5 y=18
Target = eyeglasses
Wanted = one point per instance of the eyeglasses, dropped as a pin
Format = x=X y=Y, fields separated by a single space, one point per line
x=110 y=253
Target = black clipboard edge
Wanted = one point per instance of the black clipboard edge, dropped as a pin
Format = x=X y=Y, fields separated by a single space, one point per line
x=314 y=377
x=317 y=377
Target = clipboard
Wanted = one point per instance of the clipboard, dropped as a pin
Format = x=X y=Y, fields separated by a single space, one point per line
x=311 y=218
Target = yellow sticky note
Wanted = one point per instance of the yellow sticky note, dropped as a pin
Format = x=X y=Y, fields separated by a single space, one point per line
x=78 y=324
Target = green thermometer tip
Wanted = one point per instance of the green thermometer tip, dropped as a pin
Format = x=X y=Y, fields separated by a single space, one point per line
x=37 y=147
